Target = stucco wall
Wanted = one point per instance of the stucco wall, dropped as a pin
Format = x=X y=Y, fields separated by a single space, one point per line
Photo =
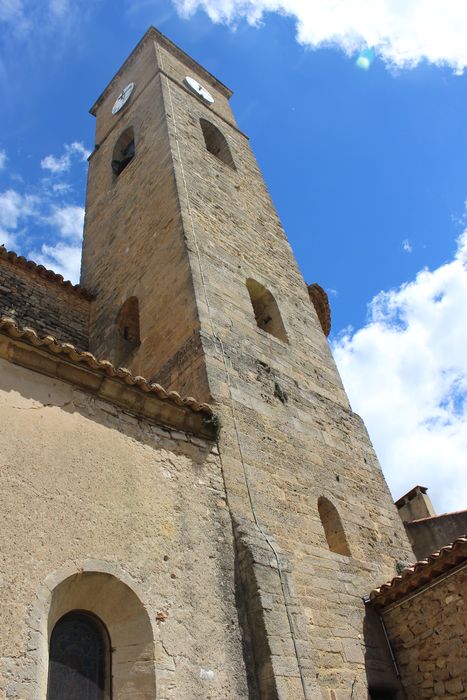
x=430 y=534
x=428 y=633
x=100 y=510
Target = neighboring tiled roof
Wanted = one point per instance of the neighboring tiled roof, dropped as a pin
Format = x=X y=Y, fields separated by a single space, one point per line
x=21 y=261
x=320 y=301
x=9 y=327
x=421 y=573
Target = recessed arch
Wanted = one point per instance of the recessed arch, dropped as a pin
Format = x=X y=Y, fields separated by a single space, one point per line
x=216 y=143
x=266 y=310
x=128 y=330
x=320 y=301
x=114 y=608
x=128 y=322
x=333 y=528
x=124 y=151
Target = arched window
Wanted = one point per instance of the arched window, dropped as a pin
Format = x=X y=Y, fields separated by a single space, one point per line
x=128 y=323
x=332 y=525
x=266 y=310
x=216 y=143
x=320 y=301
x=79 y=659
x=124 y=151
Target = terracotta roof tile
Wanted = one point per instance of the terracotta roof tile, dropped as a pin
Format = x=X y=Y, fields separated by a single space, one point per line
x=421 y=573
x=42 y=271
x=48 y=342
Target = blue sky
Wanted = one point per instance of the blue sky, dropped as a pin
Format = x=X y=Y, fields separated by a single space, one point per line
x=366 y=167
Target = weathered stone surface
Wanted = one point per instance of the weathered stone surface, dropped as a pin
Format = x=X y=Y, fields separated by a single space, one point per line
x=45 y=305
x=428 y=633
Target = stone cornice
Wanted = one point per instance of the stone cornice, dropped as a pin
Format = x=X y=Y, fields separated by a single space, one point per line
x=23 y=346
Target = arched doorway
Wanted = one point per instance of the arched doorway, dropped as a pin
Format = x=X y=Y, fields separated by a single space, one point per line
x=79 y=659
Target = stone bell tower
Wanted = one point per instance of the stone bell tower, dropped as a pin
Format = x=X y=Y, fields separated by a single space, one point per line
x=197 y=289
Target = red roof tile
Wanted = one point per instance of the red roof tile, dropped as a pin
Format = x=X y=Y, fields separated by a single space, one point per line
x=9 y=327
x=421 y=573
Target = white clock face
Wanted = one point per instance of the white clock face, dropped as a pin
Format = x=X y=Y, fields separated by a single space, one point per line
x=123 y=97
x=199 y=89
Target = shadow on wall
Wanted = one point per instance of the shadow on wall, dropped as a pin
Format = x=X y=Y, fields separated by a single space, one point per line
x=381 y=672
x=36 y=391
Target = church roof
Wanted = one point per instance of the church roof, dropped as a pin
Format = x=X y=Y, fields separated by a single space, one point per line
x=115 y=384
x=421 y=573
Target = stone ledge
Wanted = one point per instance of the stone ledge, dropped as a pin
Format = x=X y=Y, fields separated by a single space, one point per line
x=100 y=378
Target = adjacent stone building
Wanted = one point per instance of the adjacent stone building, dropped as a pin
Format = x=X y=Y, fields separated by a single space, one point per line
x=156 y=545
x=428 y=532
x=424 y=612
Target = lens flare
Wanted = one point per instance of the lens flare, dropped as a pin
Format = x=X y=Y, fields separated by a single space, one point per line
x=365 y=59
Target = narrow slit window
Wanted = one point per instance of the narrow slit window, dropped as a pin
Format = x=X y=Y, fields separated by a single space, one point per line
x=79 y=659
x=266 y=311
x=124 y=151
x=332 y=526
x=216 y=143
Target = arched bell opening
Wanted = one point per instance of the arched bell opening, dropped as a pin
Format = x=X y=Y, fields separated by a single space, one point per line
x=124 y=151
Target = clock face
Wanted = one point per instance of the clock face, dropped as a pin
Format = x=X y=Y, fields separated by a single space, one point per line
x=199 y=89
x=123 y=97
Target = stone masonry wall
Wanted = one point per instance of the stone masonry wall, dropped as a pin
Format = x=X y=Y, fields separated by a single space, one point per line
x=428 y=634
x=288 y=436
x=134 y=243
x=106 y=512
x=43 y=305
x=430 y=534
x=183 y=232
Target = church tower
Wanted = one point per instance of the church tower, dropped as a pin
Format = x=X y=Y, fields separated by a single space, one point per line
x=196 y=288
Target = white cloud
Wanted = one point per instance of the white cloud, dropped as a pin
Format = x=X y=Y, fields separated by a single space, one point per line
x=61 y=258
x=44 y=18
x=62 y=164
x=63 y=255
x=61 y=187
x=406 y=374
x=11 y=10
x=404 y=32
x=56 y=165
x=59 y=8
x=407 y=246
x=69 y=220
x=15 y=14
x=7 y=239
x=2 y=159
x=42 y=221
x=14 y=207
